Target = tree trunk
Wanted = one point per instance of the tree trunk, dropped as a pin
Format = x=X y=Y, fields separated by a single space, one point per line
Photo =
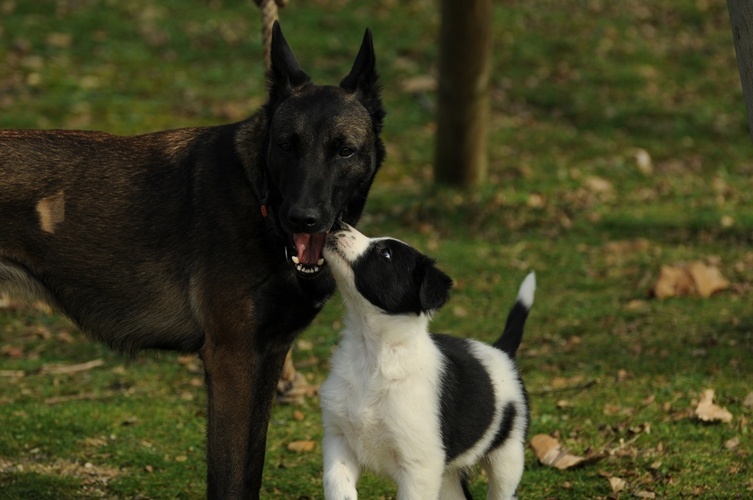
x=465 y=48
x=741 y=17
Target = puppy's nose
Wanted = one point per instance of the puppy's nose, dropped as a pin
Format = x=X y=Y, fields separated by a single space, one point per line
x=305 y=219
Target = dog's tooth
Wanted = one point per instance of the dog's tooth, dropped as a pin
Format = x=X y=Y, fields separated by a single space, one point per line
x=295 y=260
x=320 y=262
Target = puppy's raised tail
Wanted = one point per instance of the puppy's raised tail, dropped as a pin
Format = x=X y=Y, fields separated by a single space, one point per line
x=516 y=319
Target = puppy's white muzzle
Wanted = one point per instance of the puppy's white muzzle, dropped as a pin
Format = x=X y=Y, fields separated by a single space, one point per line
x=345 y=244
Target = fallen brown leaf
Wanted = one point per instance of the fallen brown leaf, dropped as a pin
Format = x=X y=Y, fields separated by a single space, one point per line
x=301 y=446
x=421 y=83
x=643 y=161
x=550 y=452
x=707 y=411
x=598 y=184
x=707 y=279
x=12 y=351
x=67 y=369
x=617 y=484
x=644 y=494
x=696 y=278
x=732 y=443
x=748 y=403
x=673 y=281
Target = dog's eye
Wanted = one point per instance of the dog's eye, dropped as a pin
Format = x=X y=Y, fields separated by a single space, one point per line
x=345 y=152
x=285 y=146
x=385 y=253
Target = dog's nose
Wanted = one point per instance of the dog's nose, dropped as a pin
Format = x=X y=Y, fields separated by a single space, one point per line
x=304 y=218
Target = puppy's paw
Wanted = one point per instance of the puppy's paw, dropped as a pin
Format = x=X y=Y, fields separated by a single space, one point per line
x=339 y=484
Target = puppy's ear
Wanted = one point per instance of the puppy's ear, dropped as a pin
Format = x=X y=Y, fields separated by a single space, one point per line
x=435 y=287
x=284 y=73
x=364 y=80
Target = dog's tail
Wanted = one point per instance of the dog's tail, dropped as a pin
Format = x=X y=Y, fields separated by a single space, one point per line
x=516 y=319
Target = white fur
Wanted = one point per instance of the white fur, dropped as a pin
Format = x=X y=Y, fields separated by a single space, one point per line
x=381 y=407
x=527 y=289
x=384 y=378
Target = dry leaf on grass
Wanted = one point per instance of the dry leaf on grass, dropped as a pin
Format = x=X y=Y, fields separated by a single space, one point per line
x=748 y=403
x=301 y=446
x=707 y=411
x=732 y=444
x=617 y=484
x=421 y=83
x=707 y=279
x=68 y=369
x=598 y=184
x=695 y=278
x=550 y=452
x=643 y=161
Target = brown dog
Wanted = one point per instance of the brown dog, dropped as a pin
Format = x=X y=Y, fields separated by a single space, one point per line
x=203 y=240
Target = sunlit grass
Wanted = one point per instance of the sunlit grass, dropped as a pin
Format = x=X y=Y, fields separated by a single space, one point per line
x=579 y=90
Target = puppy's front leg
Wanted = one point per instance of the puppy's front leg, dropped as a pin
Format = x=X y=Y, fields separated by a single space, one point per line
x=419 y=482
x=341 y=471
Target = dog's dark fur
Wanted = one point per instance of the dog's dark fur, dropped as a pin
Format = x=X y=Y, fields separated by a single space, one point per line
x=179 y=239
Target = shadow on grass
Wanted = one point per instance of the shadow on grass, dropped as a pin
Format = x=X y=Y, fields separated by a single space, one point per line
x=22 y=485
x=678 y=228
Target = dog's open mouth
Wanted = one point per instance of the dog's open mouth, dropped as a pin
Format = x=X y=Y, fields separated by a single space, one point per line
x=307 y=256
x=308 y=259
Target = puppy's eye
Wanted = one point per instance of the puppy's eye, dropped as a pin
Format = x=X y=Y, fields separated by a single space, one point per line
x=385 y=253
x=346 y=152
x=285 y=147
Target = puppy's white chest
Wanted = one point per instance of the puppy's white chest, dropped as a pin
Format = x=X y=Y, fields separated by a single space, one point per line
x=358 y=408
x=380 y=410
x=372 y=438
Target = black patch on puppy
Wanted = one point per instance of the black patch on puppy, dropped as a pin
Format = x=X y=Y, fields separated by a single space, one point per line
x=505 y=426
x=380 y=277
x=467 y=408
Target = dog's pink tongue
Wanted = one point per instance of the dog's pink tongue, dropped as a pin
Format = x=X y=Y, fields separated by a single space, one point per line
x=309 y=247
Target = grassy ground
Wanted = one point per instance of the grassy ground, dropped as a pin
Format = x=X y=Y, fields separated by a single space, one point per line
x=583 y=91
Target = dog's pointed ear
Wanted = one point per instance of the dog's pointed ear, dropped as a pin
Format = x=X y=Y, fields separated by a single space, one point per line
x=284 y=73
x=435 y=287
x=363 y=77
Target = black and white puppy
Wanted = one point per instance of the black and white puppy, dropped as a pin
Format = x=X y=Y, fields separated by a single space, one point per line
x=414 y=406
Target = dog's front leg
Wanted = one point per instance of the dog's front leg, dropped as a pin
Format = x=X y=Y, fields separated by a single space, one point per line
x=241 y=383
x=341 y=471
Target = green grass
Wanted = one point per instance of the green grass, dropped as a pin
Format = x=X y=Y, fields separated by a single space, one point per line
x=578 y=87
